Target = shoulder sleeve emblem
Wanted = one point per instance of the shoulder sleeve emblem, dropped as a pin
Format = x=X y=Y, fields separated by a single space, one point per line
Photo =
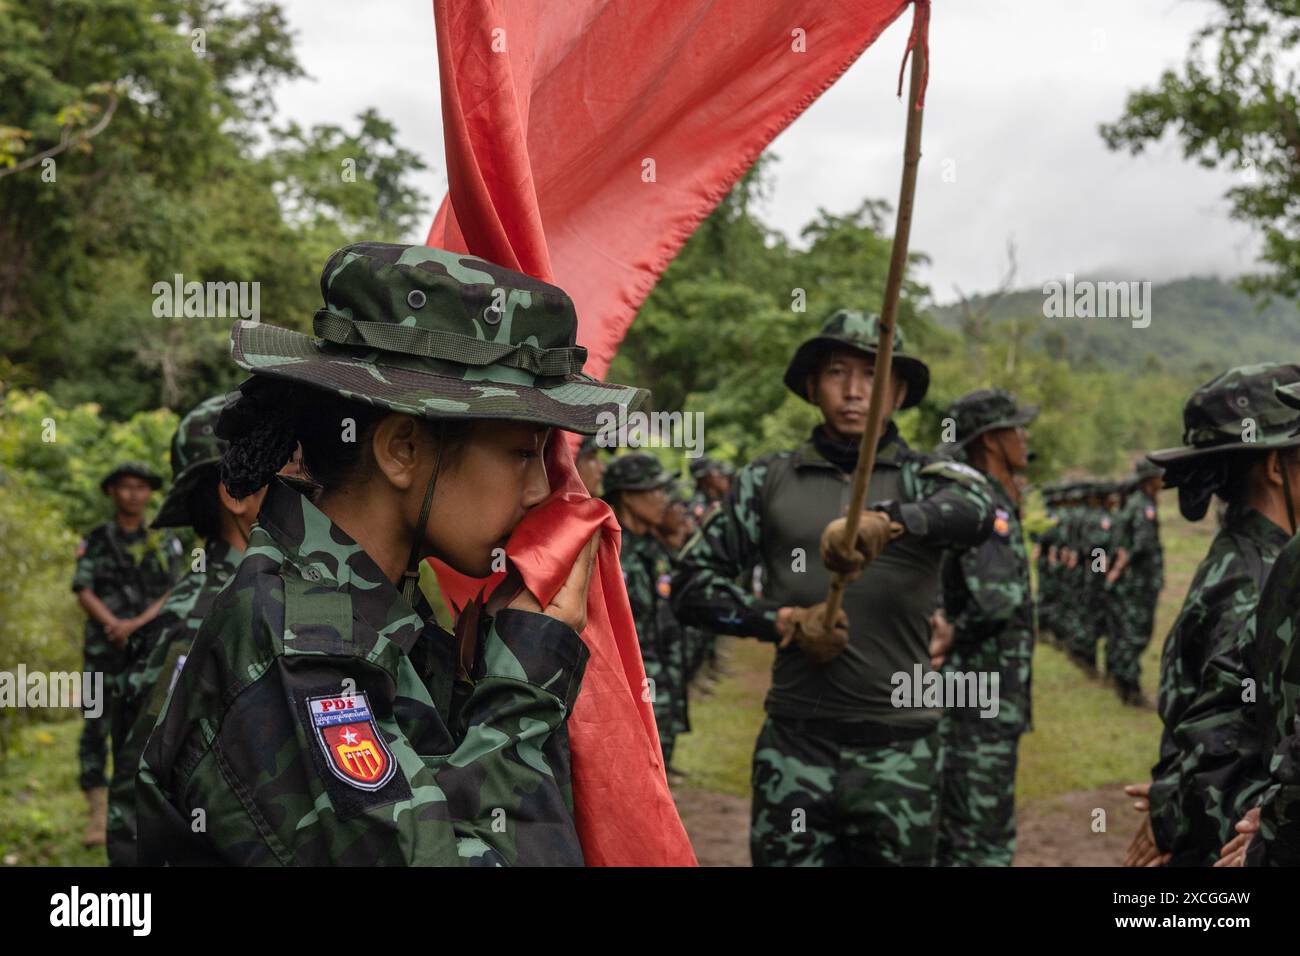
x=1105 y=524
x=664 y=585
x=355 y=750
x=1150 y=512
x=1002 y=522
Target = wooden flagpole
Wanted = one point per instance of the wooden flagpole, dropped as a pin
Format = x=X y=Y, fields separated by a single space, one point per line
x=882 y=385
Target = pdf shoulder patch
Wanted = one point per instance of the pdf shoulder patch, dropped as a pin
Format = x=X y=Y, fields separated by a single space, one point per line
x=354 y=748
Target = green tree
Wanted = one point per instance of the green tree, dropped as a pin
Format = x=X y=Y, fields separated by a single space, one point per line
x=1234 y=105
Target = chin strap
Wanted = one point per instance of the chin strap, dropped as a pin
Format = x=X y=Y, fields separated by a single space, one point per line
x=412 y=572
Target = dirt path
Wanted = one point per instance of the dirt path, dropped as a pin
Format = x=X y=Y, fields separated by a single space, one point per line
x=1052 y=832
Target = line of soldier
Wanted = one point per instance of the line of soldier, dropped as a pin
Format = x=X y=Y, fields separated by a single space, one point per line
x=849 y=767
x=657 y=514
x=1100 y=572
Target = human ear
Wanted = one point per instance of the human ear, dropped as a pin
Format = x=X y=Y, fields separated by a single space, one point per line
x=398 y=449
x=239 y=507
x=900 y=393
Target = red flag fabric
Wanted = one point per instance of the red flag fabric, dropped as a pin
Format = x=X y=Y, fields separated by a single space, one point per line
x=585 y=142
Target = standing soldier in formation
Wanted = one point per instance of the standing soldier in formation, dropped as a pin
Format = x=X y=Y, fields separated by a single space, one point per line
x=1094 y=538
x=322 y=715
x=122 y=576
x=712 y=482
x=1048 y=557
x=1209 y=773
x=197 y=500
x=989 y=602
x=1135 y=579
x=840 y=774
x=636 y=487
x=1271 y=831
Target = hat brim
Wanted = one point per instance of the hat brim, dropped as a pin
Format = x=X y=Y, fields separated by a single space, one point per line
x=175 y=510
x=430 y=388
x=1024 y=414
x=1168 y=456
x=910 y=369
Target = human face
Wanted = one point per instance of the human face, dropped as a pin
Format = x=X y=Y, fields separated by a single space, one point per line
x=841 y=388
x=647 y=507
x=591 y=469
x=499 y=476
x=1015 y=447
x=130 y=495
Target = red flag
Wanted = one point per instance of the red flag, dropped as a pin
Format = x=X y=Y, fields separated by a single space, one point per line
x=585 y=142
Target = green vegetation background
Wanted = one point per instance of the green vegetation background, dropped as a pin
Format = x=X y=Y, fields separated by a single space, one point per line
x=173 y=162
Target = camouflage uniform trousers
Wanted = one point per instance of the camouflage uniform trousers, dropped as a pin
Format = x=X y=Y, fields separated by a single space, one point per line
x=1133 y=618
x=1090 y=616
x=101 y=656
x=977 y=819
x=819 y=802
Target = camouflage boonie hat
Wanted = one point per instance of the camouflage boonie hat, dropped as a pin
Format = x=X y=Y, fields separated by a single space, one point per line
x=1289 y=395
x=985 y=410
x=131 y=469
x=848 y=328
x=636 y=472
x=196 y=453
x=1216 y=415
x=439 y=334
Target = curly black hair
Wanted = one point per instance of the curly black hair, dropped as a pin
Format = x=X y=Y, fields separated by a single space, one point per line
x=272 y=418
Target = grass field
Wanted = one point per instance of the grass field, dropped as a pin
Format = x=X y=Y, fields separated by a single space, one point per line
x=1083 y=737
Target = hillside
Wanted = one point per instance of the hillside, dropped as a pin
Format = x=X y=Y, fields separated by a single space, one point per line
x=1198 y=323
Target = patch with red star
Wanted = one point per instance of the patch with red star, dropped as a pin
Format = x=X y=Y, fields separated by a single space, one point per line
x=354 y=748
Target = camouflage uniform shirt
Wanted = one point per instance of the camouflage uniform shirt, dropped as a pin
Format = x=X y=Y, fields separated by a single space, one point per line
x=145 y=687
x=1222 y=598
x=320 y=719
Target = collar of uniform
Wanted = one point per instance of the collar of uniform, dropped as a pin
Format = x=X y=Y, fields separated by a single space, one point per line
x=889 y=449
x=1255 y=526
x=325 y=553
x=222 y=559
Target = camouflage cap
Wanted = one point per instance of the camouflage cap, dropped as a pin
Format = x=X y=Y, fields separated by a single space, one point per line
x=196 y=453
x=1220 y=413
x=1143 y=469
x=439 y=334
x=131 y=469
x=703 y=466
x=860 y=331
x=636 y=472
x=985 y=410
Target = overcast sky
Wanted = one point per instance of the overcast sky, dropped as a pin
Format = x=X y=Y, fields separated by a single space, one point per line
x=1017 y=88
